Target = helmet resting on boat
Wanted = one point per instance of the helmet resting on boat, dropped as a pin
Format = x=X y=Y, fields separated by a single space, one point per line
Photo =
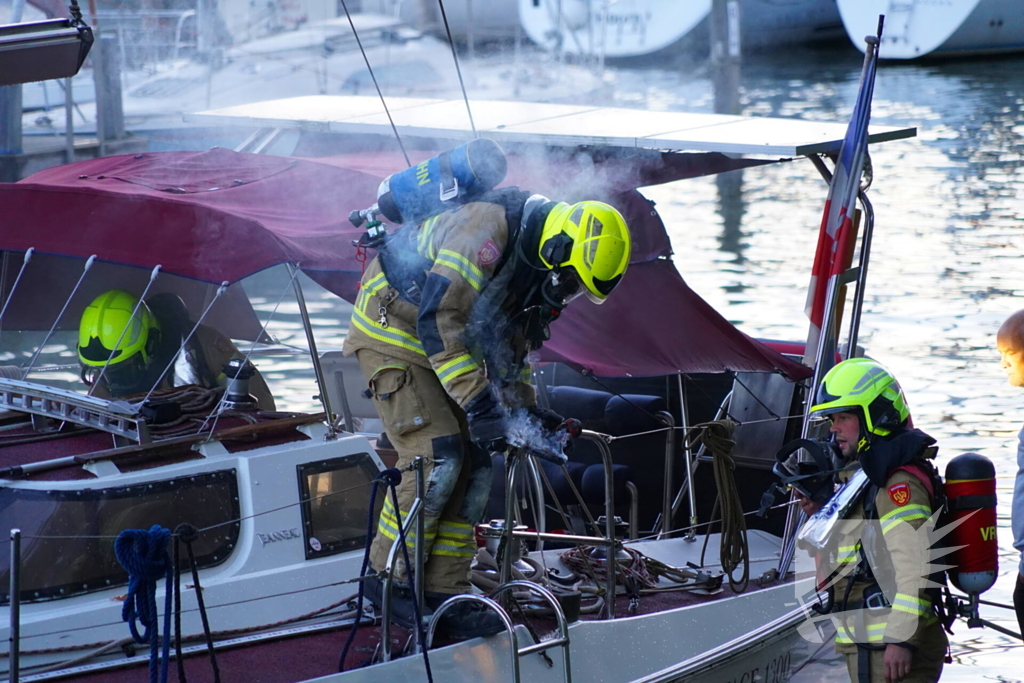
x=589 y=240
x=867 y=389
x=115 y=326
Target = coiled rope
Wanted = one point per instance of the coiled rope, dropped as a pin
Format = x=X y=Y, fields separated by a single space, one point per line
x=733 y=550
x=143 y=554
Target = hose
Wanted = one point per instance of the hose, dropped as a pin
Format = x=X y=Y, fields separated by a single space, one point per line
x=734 y=549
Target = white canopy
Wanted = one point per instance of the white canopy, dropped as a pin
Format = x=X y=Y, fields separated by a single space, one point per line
x=550 y=124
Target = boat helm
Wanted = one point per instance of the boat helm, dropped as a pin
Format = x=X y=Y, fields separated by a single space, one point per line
x=867 y=389
x=588 y=242
x=117 y=327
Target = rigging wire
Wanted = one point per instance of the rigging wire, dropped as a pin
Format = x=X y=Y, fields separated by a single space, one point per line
x=458 y=69
x=217 y=411
x=181 y=349
x=85 y=271
x=376 y=85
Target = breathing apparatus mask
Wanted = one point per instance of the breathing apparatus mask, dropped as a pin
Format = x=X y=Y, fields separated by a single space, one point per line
x=813 y=480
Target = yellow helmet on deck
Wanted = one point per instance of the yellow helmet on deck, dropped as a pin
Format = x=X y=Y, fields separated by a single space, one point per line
x=590 y=238
x=112 y=328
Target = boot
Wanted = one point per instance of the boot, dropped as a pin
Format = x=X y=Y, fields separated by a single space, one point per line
x=464 y=620
x=402 y=611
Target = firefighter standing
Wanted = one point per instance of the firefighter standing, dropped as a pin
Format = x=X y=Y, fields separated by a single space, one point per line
x=1010 y=342
x=445 y=318
x=887 y=626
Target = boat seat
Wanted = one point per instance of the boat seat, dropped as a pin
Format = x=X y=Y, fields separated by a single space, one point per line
x=620 y=415
x=345 y=386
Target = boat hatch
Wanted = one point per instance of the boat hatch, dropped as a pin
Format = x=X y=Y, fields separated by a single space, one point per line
x=335 y=495
x=549 y=124
x=68 y=534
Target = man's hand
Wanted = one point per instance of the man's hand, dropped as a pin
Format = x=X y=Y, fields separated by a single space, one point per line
x=897 y=662
x=806 y=504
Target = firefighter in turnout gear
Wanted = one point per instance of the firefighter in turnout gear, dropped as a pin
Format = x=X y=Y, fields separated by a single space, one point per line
x=132 y=343
x=446 y=315
x=886 y=617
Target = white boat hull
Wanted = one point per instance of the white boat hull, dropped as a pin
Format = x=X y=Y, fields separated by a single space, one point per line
x=915 y=29
x=632 y=28
x=717 y=642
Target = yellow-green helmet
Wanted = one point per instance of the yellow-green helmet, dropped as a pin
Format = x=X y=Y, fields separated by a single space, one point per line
x=592 y=239
x=102 y=333
x=863 y=387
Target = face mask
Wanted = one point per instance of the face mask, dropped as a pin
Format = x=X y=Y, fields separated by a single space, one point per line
x=560 y=288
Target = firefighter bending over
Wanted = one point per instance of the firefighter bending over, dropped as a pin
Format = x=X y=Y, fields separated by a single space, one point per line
x=445 y=318
x=887 y=622
x=140 y=339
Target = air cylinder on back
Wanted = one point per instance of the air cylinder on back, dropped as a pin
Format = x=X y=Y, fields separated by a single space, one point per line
x=971 y=495
x=442 y=182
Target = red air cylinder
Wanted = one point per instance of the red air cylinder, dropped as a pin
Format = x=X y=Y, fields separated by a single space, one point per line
x=971 y=495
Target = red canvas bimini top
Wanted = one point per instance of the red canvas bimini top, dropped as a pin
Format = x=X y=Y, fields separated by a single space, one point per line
x=219 y=216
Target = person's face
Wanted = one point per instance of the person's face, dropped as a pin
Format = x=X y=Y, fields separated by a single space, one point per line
x=1011 y=360
x=846 y=428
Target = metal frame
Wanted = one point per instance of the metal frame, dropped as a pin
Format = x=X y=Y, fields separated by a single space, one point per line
x=113 y=417
x=513 y=463
x=415 y=516
x=491 y=603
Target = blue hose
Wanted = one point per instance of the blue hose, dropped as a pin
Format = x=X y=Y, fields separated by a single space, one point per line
x=143 y=554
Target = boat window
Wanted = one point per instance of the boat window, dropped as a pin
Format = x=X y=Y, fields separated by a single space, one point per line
x=336 y=496
x=67 y=545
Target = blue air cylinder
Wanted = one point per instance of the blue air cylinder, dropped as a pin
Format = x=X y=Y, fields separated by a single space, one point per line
x=442 y=182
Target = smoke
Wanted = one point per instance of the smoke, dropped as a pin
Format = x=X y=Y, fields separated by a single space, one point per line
x=523 y=430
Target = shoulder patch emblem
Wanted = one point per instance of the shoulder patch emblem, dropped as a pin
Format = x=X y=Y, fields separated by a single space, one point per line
x=488 y=254
x=900 y=493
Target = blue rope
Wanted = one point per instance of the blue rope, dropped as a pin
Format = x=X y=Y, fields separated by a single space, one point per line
x=390 y=478
x=144 y=556
x=362 y=572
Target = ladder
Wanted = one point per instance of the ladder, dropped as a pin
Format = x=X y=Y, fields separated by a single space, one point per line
x=491 y=603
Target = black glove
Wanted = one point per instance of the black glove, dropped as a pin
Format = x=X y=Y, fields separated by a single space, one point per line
x=1018 y=600
x=549 y=419
x=487 y=422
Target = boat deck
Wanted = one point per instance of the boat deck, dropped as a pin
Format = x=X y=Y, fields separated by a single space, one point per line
x=310 y=655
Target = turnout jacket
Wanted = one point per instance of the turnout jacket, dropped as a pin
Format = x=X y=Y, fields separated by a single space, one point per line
x=894 y=546
x=460 y=252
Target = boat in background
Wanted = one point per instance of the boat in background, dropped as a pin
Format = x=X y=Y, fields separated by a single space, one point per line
x=634 y=28
x=952 y=28
x=320 y=58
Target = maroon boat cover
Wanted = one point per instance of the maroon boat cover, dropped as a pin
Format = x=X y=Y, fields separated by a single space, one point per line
x=219 y=216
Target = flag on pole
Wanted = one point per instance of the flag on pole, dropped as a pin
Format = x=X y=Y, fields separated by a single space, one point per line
x=834 y=243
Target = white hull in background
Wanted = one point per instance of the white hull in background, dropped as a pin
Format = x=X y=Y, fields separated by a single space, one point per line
x=916 y=28
x=632 y=28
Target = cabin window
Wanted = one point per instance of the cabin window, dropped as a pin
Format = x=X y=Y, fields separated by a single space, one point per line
x=335 y=497
x=67 y=545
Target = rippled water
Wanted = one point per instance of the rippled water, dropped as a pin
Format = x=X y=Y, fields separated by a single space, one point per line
x=944 y=274
x=946 y=262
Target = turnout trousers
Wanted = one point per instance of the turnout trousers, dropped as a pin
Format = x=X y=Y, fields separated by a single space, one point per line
x=421 y=420
x=925 y=667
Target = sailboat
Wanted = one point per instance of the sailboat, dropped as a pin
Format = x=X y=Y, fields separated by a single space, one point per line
x=957 y=28
x=280 y=501
x=634 y=28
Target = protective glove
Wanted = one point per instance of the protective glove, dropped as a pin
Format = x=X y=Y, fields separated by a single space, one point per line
x=549 y=419
x=1018 y=600
x=487 y=422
